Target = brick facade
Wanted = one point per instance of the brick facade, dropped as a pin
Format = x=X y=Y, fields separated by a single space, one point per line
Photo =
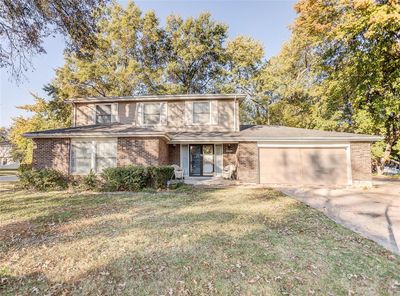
x=174 y=154
x=229 y=154
x=51 y=153
x=163 y=152
x=55 y=153
x=247 y=160
x=361 y=161
x=142 y=151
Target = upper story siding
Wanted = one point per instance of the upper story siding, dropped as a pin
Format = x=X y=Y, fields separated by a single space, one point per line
x=175 y=115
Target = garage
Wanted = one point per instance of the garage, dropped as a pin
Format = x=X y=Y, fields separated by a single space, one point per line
x=305 y=164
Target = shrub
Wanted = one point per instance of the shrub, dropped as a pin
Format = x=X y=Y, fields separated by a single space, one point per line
x=159 y=175
x=41 y=179
x=90 y=181
x=129 y=178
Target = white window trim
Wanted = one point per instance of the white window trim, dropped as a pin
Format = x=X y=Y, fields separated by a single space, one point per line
x=103 y=104
x=209 y=116
x=92 y=153
x=144 y=113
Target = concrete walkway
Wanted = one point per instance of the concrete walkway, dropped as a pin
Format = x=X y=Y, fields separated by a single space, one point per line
x=374 y=213
x=8 y=178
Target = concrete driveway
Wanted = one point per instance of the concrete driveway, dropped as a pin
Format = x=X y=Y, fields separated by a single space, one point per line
x=374 y=213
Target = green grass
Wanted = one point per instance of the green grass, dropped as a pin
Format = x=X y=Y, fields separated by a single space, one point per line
x=237 y=241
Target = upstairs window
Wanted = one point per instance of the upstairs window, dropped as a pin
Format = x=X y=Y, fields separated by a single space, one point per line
x=103 y=114
x=151 y=113
x=201 y=112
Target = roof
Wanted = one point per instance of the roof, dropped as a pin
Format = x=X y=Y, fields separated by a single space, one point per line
x=109 y=130
x=204 y=137
x=282 y=133
x=247 y=133
x=157 y=98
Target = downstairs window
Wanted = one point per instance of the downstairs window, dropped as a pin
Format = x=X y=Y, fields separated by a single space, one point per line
x=93 y=155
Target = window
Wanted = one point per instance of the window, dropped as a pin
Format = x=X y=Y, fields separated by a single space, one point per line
x=201 y=112
x=151 y=113
x=81 y=157
x=103 y=114
x=93 y=155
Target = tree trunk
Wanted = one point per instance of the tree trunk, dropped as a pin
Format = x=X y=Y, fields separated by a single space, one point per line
x=384 y=159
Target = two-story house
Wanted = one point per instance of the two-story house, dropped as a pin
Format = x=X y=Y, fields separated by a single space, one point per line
x=202 y=134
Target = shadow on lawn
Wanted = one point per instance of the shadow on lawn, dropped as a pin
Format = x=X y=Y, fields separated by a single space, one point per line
x=61 y=209
x=263 y=259
x=253 y=263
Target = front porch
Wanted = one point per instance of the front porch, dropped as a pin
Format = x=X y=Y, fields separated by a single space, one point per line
x=203 y=163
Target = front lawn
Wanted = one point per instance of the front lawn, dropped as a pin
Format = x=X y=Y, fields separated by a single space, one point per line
x=237 y=241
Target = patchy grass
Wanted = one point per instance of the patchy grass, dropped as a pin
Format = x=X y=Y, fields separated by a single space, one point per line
x=228 y=241
x=7 y=186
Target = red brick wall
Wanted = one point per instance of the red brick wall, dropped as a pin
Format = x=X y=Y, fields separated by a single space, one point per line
x=141 y=151
x=163 y=153
x=361 y=161
x=229 y=155
x=51 y=153
x=174 y=154
x=247 y=158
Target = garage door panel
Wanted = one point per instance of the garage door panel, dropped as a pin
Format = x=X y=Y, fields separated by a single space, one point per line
x=279 y=166
x=324 y=166
x=305 y=165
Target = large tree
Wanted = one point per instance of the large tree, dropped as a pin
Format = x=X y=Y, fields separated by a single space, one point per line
x=344 y=69
x=135 y=55
x=47 y=114
x=24 y=24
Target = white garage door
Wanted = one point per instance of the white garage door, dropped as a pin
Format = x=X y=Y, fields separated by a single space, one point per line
x=304 y=165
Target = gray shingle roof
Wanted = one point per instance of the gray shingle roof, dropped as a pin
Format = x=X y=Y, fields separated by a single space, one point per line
x=109 y=130
x=247 y=133
x=270 y=132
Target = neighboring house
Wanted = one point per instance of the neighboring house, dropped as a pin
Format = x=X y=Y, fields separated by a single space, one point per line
x=6 y=160
x=202 y=134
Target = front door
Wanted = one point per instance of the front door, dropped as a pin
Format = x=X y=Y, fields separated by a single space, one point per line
x=201 y=160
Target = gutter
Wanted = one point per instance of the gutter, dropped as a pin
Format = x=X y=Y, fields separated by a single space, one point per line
x=96 y=135
x=319 y=139
x=154 y=98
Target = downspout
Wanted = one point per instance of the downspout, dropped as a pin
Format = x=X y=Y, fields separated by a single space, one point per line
x=234 y=114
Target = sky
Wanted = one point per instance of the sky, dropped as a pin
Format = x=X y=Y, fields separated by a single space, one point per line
x=263 y=20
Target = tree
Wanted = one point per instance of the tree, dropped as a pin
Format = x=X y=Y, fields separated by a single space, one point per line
x=24 y=24
x=3 y=134
x=245 y=58
x=351 y=76
x=135 y=55
x=53 y=113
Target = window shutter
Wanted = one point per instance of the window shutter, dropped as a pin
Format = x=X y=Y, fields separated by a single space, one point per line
x=214 y=111
x=189 y=112
x=114 y=113
x=139 y=114
x=163 y=113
